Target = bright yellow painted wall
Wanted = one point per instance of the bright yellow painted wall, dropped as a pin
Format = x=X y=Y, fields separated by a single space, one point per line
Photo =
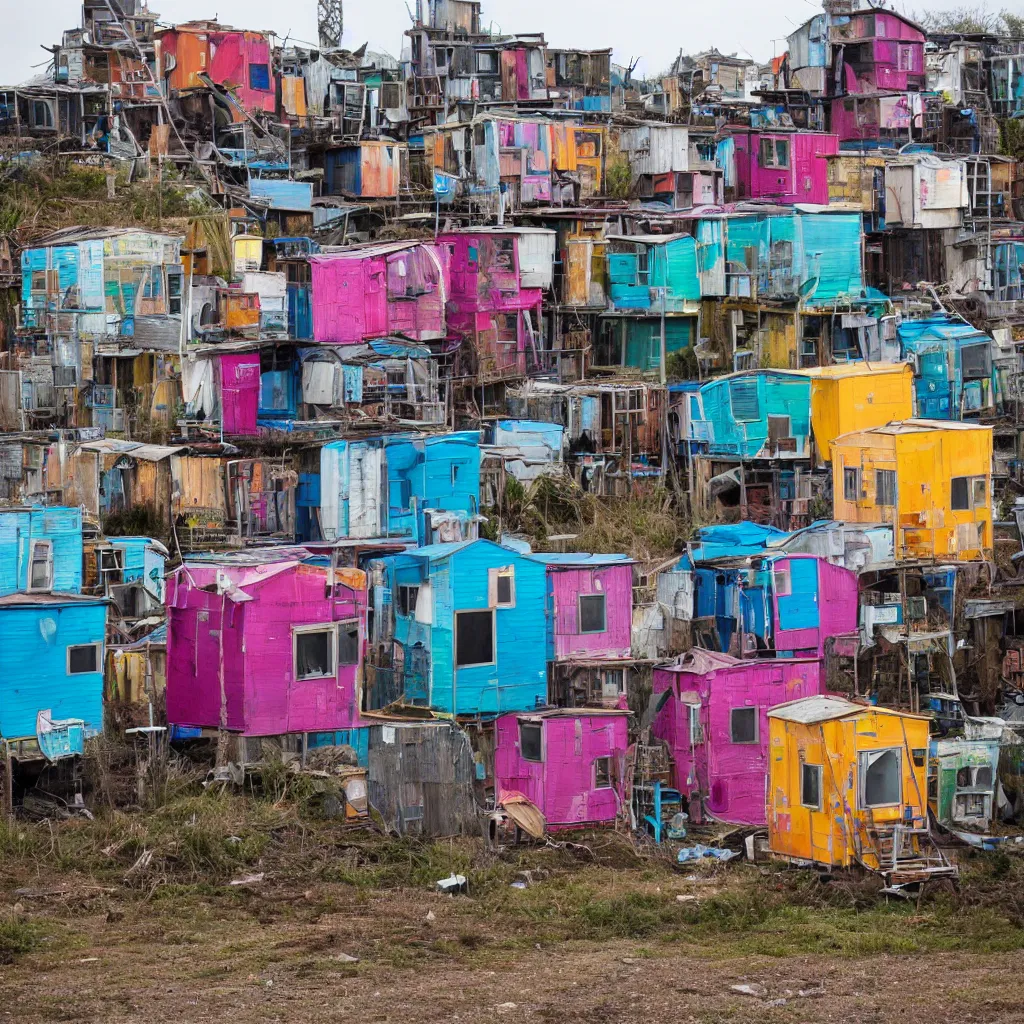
x=842 y=404
x=838 y=834
x=926 y=463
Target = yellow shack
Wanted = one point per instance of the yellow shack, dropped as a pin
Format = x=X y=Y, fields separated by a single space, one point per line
x=848 y=786
x=932 y=479
x=857 y=396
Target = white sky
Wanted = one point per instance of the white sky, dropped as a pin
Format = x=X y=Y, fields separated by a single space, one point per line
x=653 y=30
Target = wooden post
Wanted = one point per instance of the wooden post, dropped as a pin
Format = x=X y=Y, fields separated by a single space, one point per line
x=8 y=781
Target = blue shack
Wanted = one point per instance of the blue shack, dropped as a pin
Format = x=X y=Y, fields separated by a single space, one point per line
x=418 y=487
x=755 y=414
x=469 y=625
x=40 y=550
x=654 y=287
x=51 y=661
x=954 y=373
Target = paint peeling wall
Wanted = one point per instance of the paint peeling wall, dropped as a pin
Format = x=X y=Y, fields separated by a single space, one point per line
x=380 y=292
x=727 y=778
x=562 y=785
x=566 y=586
x=833 y=835
x=253 y=640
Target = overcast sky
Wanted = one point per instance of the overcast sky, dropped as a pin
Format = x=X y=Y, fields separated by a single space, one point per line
x=652 y=30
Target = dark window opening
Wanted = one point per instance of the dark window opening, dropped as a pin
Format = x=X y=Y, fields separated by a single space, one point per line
x=960 y=494
x=603 y=773
x=474 y=639
x=885 y=486
x=530 y=748
x=743 y=725
x=82 y=659
x=810 y=786
x=348 y=643
x=407 y=597
x=592 y=613
x=504 y=589
x=314 y=654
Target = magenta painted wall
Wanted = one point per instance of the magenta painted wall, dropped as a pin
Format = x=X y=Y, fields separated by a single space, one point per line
x=562 y=785
x=837 y=610
x=804 y=181
x=731 y=776
x=262 y=697
x=480 y=283
x=240 y=392
x=360 y=297
x=566 y=585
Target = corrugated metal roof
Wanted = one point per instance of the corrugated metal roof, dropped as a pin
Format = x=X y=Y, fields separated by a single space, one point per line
x=26 y=600
x=816 y=709
x=147 y=452
x=570 y=559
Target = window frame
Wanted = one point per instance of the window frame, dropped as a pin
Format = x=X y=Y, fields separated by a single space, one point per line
x=494 y=577
x=757 y=725
x=269 y=87
x=33 y=544
x=862 y=770
x=855 y=471
x=607 y=772
x=696 y=726
x=580 y=598
x=317 y=627
x=890 y=476
x=97 y=647
x=403 y=599
x=820 y=773
x=346 y=624
x=494 y=638
x=539 y=726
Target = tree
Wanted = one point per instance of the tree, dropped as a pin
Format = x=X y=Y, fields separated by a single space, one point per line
x=972 y=20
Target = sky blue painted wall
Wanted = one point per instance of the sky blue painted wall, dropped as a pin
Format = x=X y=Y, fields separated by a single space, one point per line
x=61 y=526
x=459 y=582
x=33 y=665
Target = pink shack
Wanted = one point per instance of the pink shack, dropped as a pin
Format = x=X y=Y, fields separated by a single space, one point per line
x=490 y=304
x=590 y=625
x=571 y=764
x=261 y=644
x=238 y=60
x=380 y=290
x=715 y=723
x=787 y=167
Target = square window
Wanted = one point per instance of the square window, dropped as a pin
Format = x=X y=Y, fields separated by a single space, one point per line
x=407 y=597
x=743 y=725
x=474 y=638
x=810 y=786
x=613 y=683
x=314 y=652
x=885 y=486
x=960 y=494
x=881 y=783
x=851 y=484
x=83 y=659
x=592 y=613
x=259 y=77
x=348 y=643
x=603 y=773
x=530 y=747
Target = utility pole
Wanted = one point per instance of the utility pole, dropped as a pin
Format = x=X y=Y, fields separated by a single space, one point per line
x=329 y=23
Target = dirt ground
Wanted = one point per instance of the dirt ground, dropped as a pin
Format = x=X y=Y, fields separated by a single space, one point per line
x=270 y=951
